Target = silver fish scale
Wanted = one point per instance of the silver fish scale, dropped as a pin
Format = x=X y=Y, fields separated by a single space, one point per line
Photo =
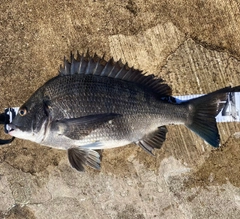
x=74 y=96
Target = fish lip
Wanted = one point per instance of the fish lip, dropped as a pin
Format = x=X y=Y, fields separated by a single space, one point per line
x=12 y=126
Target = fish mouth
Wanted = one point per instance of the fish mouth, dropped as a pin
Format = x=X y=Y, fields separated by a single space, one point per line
x=11 y=128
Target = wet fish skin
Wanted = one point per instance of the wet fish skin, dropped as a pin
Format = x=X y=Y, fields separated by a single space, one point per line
x=91 y=105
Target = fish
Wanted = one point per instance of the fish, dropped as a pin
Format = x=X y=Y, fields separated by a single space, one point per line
x=94 y=104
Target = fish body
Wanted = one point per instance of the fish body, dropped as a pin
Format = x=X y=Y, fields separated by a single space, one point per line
x=134 y=112
x=93 y=104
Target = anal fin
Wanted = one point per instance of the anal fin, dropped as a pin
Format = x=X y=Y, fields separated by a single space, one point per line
x=78 y=158
x=153 y=140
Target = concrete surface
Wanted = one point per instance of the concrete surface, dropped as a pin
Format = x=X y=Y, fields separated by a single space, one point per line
x=193 y=45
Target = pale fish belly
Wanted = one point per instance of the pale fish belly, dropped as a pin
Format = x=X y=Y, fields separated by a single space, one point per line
x=98 y=139
x=64 y=143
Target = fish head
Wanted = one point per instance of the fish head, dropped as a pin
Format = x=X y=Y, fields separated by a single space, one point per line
x=30 y=121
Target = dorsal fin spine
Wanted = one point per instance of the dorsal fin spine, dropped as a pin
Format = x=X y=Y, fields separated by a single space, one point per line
x=103 y=73
x=154 y=86
x=127 y=75
x=145 y=80
x=110 y=73
x=96 y=63
x=132 y=76
x=66 y=65
x=89 y=64
x=119 y=72
x=96 y=67
x=72 y=64
x=149 y=81
x=80 y=63
x=135 y=77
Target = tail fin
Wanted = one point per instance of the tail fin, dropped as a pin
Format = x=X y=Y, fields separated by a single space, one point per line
x=202 y=113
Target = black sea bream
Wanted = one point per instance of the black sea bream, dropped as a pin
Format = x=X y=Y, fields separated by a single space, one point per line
x=93 y=104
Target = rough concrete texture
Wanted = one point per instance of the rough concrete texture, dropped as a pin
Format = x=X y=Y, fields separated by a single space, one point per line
x=193 y=45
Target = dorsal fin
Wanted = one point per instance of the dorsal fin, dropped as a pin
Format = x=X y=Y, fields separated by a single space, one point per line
x=87 y=64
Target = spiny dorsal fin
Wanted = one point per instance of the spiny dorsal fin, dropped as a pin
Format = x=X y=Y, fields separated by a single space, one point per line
x=94 y=65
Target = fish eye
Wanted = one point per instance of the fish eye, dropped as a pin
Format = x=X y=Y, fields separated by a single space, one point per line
x=22 y=111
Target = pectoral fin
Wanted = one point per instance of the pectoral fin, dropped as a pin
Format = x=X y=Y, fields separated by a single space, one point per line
x=79 y=157
x=153 y=140
x=77 y=128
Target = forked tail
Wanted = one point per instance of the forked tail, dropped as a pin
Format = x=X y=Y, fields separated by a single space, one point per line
x=202 y=113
